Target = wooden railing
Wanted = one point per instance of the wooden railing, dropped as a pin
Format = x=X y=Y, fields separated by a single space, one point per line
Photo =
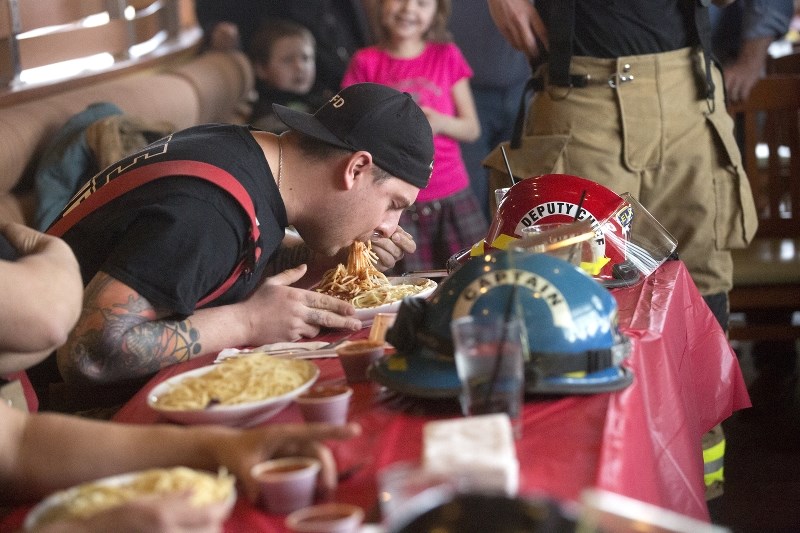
x=37 y=33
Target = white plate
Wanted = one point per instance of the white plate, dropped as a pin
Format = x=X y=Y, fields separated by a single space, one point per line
x=366 y=314
x=238 y=415
x=62 y=497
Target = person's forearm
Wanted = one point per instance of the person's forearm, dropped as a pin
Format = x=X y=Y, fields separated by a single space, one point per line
x=461 y=129
x=754 y=53
x=90 y=449
x=46 y=289
x=121 y=336
x=95 y=354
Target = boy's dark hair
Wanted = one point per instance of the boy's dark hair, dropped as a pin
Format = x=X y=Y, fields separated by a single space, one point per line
x=260 y=47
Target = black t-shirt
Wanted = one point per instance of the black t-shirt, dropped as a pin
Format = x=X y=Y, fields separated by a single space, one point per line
x=177 y=239
x=616 y=28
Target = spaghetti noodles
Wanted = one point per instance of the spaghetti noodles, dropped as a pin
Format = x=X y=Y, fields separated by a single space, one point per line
x=363 y=285
x=237 y=380
x=89 y=499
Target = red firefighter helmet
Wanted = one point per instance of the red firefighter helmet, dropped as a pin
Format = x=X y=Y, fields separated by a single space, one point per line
x=555 y=198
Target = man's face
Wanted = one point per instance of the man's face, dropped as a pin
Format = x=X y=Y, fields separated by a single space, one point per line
x=369 y=207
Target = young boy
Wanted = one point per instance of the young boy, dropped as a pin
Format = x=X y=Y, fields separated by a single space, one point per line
x=283 y=56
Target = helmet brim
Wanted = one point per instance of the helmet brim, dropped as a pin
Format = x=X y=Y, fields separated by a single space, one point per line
x=421 y=375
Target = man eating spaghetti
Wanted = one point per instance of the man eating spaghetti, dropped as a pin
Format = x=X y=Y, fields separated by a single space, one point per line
x=184 y=253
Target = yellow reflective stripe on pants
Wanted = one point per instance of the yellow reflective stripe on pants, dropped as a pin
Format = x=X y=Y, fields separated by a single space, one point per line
x=713 y=461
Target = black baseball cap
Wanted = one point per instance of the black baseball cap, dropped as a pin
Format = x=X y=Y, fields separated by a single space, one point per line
x=378 y=119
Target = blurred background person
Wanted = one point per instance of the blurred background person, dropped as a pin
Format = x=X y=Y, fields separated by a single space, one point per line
x=499 y=75
x=416 y=55
x=283 y=55
x=340 y=27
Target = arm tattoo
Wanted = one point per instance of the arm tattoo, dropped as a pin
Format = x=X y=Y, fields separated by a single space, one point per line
x=125 y=340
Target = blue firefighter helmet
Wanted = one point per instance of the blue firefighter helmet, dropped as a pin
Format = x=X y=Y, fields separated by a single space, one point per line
x=574 y=345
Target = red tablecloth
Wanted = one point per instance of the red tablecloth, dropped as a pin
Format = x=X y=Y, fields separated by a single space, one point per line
x=642 y=442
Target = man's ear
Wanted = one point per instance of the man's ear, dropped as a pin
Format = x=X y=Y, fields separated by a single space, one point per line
x=359 y=168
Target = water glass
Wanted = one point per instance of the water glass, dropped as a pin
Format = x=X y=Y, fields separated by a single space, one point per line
x=489 y=361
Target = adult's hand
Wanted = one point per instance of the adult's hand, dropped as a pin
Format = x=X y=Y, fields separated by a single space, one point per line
x=277 y=312
x=224 y=37
x=243 y=449
x=520 y=24
x=390 y=250
x=749 y=67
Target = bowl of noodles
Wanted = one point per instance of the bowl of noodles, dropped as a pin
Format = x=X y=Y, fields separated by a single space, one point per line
x=387 y=298
x=88 y=499
x=369 y=290
x=239 y=391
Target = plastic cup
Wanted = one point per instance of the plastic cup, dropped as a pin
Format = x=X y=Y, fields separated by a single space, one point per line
x=489 y=361
x=356 y=357
x=406 y=489
x=325 y=403
x=286 y=484
x=326 y=518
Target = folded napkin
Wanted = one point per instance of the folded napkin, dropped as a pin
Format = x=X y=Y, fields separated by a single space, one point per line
x=479 y=450
x=277 y=348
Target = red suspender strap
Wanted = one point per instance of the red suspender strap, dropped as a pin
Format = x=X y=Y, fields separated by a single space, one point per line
x=116 y=187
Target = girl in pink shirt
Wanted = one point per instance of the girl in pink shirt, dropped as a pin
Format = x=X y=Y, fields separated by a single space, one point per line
x=414 y=54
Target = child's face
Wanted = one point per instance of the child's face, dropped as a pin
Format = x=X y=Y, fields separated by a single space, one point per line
x=291 y=65
x=408 y=19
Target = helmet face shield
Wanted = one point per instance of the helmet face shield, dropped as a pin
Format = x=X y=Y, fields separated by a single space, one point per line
x=647 y=243
x=569 y=318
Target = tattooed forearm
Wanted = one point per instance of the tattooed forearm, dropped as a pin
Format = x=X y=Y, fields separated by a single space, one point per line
x=116 y=341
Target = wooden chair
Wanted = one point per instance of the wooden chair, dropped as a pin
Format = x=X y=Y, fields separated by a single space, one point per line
x=767 y=274
x=788 y=64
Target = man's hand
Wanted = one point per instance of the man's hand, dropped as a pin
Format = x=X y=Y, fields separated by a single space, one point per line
x=243 y=450
x=278 y=312
x=393 y=249
x=749 y=67
x=520 y=24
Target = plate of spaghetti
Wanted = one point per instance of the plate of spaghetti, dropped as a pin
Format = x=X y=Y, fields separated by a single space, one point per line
x=86 y=500
x=367 y=288
x=239 y=391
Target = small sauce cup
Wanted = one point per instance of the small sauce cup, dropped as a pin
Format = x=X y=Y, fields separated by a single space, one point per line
x=286 y=484
x=326 y=518
x=356 y=357
x=325 y=403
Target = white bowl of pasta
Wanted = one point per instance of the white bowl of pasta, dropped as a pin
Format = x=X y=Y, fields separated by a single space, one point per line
x=88 y=499
x=387 y=299
x=239 y=391
x=369 y=290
